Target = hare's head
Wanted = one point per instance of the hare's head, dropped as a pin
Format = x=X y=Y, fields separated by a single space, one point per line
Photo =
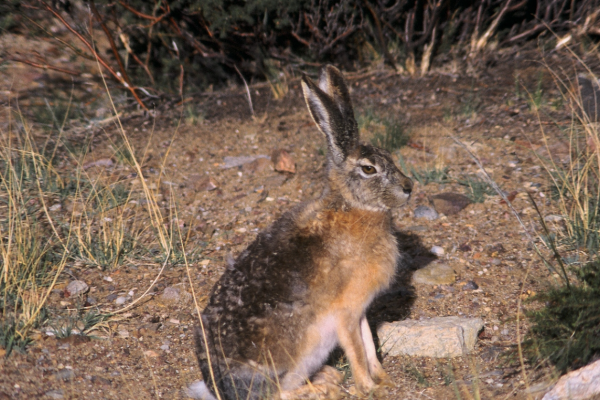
x=364 y=175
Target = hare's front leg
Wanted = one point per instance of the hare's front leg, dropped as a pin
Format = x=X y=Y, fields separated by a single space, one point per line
x=351 y=339
x=376 y=370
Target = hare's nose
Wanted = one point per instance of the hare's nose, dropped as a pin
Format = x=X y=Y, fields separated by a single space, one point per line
x=407 y=186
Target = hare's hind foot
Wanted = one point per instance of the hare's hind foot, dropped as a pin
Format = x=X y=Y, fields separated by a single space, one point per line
x=377 y=388
x=325 y=385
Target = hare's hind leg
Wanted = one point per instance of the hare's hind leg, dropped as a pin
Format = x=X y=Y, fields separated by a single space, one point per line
x=375 y=369
x=323 y=386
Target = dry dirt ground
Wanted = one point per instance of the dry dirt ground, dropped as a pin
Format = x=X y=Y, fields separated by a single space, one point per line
x=147 y=352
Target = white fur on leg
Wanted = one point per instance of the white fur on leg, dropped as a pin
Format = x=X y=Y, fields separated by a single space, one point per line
x=198 y=390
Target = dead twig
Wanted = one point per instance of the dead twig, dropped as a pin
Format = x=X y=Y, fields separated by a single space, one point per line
x=93 y=51
x=44 y=66
x=113 y=47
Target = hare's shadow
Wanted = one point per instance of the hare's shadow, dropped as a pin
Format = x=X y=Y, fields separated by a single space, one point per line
x=396 y=303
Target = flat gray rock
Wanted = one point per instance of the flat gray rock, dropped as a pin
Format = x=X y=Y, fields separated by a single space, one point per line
x=581 y=384
x=434 y=274
x=439 y=337
x=426 y=212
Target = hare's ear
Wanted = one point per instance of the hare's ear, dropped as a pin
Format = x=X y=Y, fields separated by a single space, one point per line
x=331 y=109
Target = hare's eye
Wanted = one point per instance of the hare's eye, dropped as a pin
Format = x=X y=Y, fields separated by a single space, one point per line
x=368 y=169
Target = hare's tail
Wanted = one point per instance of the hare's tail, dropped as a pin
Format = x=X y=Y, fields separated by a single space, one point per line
x=233 y=382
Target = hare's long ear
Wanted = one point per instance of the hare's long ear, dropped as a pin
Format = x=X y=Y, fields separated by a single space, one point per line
x=331 y=109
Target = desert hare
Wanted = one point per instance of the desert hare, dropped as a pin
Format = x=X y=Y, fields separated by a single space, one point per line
x=304 y=285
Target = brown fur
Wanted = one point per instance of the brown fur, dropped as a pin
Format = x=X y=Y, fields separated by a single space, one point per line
x=304 y=285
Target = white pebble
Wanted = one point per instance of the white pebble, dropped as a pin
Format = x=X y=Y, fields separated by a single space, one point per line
x=437 y=250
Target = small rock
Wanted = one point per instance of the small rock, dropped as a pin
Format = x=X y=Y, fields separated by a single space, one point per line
x=553 y=218
x=496 y=261
x=479 y=281
x=449 y=203
x=121 y=300
x=434 y=274
x=108 y=279
x=55 y=207
x=203 y=183
x=103 y=162
x=150 y=353
x=426 y=212
x=470 y=285
x=232 y=162
x=440 y=337
x=112 y=297
x=123 y=334
x=173 y=294
x=580 y=384
x=77 y=287
x=91 y=301
x=417 y=228
x=464 y=248
x=258 y=166
x=55 y=394
x=164 y=347
x=437 y=250
x=504 y=332
x=65 y=374
x=283 y=161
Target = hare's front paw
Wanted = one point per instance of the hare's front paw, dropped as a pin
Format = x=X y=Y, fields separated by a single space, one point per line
x=373 y=390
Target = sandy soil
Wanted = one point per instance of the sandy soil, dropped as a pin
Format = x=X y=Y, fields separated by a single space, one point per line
x=147 y=352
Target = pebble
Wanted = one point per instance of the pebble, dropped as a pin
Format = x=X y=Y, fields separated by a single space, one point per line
x=471 y=285
x=449 y=203
x=77 y=287
x=437 y=250
x=504 y=332
x=203 y=183
x=173 y=294
x=112 y=297
x=496 y=261
x=108 y=279
x=55 y=394
x=426 y=212
x=150 y=353
x=121 y=300
x=65 y=374
x=283 y=161
x=417 y=228
x=434 y=274
x=553 y=218
x=232 y=162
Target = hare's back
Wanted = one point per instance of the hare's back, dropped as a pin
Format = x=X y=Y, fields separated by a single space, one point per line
x=264 y=295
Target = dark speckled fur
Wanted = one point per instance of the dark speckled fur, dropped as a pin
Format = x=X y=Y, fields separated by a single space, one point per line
x=303 y=285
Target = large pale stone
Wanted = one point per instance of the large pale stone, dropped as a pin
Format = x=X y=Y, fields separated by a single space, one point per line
x=580 y=384
x=434 y=274
x=440 y=337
